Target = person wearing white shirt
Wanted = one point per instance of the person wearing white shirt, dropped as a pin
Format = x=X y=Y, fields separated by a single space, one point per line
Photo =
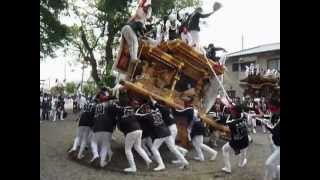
x=83 y=101
x=172 y=29
x=53 y=112
x=186 y=36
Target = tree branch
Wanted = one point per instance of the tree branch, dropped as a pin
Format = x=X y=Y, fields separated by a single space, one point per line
x=101 y=35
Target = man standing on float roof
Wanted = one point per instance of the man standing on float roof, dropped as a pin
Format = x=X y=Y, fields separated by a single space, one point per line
x=193 y=22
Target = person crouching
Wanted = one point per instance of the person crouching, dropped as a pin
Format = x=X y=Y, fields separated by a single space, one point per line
x=104 y=124
x=197 y=133
x=160 y=133
x=129 y=125
x=84 y=129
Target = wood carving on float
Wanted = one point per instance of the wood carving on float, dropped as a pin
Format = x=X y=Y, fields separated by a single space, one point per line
x=174 y=73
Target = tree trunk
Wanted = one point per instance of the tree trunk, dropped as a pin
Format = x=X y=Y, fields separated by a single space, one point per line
x=91 y=59
x=94 y=71
x=109 y=48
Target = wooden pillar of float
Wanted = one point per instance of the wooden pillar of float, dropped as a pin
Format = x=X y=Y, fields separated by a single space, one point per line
x=176 y=79
x=182 y=136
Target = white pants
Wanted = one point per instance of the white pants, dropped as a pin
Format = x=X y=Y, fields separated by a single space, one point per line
x=61 y=114
x=170 y=143
x=217 y=136
x=271 y=164
x=252 y=120
x=132 y=41
x=195 y=39
x=40 y=114
x=197 y=142
x=272 y=146
x=53 y=114
x=226 y=150
x=81 y=139
x=133 y=140
x=147 y=143
x=101 y=141
x=174 y=131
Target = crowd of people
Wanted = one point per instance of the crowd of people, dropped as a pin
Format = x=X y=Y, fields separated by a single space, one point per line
x=79 y=101
x=256 y=70
x=51 y=107
x=147 y=124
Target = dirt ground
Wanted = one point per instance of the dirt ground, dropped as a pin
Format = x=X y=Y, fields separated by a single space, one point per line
x=57 y=137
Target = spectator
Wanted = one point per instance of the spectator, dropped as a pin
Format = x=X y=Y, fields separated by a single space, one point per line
x=60 y=107
x=53 y=112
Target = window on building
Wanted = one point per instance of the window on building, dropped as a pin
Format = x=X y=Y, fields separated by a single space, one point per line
x=274 y=64
x=243 y=66
x=235 y=67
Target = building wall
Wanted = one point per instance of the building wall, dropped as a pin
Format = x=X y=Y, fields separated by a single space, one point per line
x=232 y=78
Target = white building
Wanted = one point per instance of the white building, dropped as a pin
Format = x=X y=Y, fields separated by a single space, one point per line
x=267 y=56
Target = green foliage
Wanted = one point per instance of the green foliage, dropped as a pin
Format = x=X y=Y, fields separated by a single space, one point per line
x=89 y=88
x=57 y=90
x=71 y=88
x=162 y=8
x=113 y=7
x=52 y=32
x=116 y=13
x=107 y=79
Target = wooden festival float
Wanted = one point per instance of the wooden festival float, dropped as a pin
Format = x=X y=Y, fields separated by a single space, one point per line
x=164 y=73
x=261 y=86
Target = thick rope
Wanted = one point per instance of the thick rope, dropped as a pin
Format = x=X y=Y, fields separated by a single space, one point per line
x=215 y=75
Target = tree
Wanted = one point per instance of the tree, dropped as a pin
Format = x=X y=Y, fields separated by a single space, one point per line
x=52 y=32
x=89 y=88
x=100 y=23
x=161 y=8
x=71 y=87
x=57 y=90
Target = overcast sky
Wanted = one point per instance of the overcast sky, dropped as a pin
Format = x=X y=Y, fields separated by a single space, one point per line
x=257 y=20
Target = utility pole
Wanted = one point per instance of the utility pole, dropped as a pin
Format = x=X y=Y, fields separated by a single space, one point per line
x=65 y=71
x=242 y=42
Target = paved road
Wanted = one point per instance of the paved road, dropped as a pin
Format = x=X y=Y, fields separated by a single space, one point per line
x=57 y=137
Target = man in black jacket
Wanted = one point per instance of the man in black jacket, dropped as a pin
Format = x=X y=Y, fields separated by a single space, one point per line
x=211 y=52
x=239 y=140
x=84 y=129
x=197 y=133
x=160 y=134
x=193 y=25
x=104 y=124
x=169 y=121
x=127 y=122
x=60 y=107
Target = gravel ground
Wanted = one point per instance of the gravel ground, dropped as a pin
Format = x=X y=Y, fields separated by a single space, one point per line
x=57 y=137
